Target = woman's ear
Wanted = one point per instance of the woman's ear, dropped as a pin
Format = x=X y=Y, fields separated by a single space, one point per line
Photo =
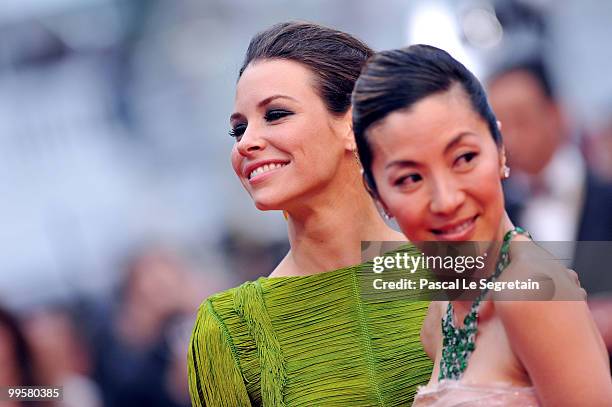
x=380 y=204
x=347 y=130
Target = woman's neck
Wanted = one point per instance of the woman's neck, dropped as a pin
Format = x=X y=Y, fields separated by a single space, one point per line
x=326 y=234
x=506 y=225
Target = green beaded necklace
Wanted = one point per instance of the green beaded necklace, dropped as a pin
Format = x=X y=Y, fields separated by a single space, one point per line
x=459 y=343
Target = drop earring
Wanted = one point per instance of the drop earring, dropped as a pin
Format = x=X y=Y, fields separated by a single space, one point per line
x=357 y=157
x=506 y=172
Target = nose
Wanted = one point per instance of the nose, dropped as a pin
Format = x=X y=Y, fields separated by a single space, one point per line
x=250 y=142
x=446 y=196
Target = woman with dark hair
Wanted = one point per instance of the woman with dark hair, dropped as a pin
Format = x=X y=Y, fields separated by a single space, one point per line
x=305 y=336
x=433 y=157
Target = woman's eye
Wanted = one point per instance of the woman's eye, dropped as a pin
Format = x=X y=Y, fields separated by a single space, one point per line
x=237 y=131
x=465 y=158
x=407 y=180
x=273 y=115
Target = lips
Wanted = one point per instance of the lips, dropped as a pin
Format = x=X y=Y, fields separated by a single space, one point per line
x=258 y=168
x=456 y=230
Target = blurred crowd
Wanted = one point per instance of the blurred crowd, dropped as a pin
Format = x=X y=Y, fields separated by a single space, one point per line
x=127 y=350
x=112 y=118
x=561 y=183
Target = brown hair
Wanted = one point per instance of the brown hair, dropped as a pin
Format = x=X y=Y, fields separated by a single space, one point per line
x=334 y=57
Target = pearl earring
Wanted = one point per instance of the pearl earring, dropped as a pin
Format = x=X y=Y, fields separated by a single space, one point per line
x=506 y=172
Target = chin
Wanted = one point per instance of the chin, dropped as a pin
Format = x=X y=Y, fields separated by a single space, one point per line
x=269 y=202
x=267 y=205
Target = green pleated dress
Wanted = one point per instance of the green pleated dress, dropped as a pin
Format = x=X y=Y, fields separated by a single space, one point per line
x=307 y=341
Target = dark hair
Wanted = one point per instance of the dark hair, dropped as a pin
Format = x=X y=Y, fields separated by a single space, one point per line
x=335 y=57
x=534 y=66
x=397 y=79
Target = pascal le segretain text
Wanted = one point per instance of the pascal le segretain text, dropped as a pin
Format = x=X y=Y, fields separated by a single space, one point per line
x=457 y=284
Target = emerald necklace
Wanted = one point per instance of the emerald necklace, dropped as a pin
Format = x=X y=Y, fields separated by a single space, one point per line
x=459 y=343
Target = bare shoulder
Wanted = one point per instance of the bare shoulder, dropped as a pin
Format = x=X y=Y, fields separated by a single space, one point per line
x=549 y=336
x=530 y=263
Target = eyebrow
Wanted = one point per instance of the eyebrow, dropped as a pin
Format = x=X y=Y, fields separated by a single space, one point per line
x=402 y=163
x=263 y=102
x=456 y=140
x=410 y=163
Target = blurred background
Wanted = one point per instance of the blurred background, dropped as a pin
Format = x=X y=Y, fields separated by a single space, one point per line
x=119 y=210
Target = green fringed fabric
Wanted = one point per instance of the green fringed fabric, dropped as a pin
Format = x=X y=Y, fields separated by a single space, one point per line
x=214 y=373
x=308 y=341
x=249 y=304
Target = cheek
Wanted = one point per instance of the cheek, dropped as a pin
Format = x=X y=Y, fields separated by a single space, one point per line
x=488 y=193
x=317 y=153
x=408 y=209
x=410 y=217
x=236 y=159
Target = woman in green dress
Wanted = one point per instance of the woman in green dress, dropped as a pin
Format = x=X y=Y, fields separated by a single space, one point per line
x=304 y=336
x=433 y=156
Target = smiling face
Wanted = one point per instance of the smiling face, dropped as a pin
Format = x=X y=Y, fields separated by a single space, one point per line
x=438 y=169
x=288 y=145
